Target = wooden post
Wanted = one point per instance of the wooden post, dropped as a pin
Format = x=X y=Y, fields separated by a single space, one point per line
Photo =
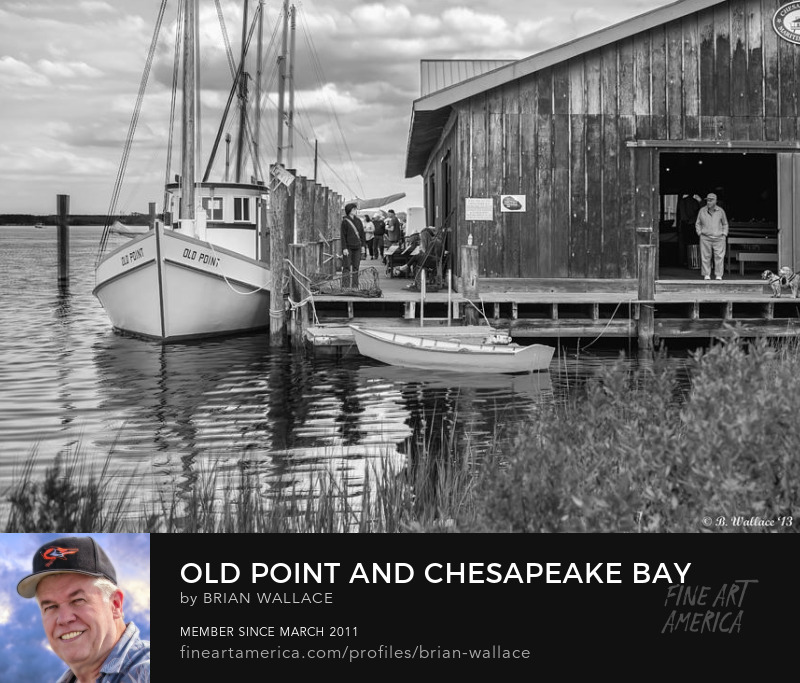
x=298 y=290
x=151 y=221
x=264 y=228
x=302 y=211
x=469 y=280
x=647 y=289
x=62 y=201
x=280 y=227
x=315 y=258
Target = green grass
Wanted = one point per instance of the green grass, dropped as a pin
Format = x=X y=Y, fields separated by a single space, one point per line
x=635 y=450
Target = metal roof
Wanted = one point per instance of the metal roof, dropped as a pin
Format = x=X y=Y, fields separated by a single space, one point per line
x=436 y=74
x=430 y=112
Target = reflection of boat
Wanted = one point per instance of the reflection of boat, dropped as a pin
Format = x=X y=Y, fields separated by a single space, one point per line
x=408 y=351
x=201 y=274
x=532 y=384
x=118 y=228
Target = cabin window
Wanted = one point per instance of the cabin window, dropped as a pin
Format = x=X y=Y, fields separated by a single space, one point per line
x=213 y=208
x=241 y=209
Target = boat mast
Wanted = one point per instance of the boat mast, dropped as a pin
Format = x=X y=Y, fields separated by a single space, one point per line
x=242 y=99
x=188 y=122
x=290 y=117
x=257 y=117
x=282 y=81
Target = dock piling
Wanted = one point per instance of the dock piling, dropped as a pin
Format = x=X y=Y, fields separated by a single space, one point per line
x=470 y=280
x=63 y=239
x=647 y=287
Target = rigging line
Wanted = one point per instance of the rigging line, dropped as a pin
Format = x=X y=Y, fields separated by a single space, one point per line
x=240 y=73
x=315 y=59
x=131 y=130
x=226 y=40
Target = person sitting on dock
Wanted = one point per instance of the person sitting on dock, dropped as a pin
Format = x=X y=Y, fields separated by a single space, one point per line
x=425 y=254
x=712 y=227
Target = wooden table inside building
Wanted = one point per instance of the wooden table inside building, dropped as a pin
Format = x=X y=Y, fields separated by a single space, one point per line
x=736 y=245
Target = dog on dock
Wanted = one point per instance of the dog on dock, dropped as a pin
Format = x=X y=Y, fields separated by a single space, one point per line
x=773 y=281
x=790 y=279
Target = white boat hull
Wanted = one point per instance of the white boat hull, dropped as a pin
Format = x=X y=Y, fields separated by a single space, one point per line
x=168 y=286
x=437 y=354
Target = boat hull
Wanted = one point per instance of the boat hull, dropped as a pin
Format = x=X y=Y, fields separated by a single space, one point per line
x=168 y=286
x=437 y=354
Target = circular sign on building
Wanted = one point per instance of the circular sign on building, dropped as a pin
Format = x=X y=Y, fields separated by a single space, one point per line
x=786 y=22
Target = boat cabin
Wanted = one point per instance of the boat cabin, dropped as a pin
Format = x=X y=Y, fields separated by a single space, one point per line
x=233 y=217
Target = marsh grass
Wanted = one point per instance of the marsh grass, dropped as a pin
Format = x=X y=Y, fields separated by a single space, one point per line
x=634 y=450
x=67 y=498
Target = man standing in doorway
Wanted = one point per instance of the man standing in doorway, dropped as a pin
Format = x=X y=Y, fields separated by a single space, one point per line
x=712 y=227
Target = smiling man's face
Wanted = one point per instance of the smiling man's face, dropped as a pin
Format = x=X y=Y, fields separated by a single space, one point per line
x=81 y=625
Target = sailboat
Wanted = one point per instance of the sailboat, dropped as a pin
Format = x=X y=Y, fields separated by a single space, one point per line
x=202 y=272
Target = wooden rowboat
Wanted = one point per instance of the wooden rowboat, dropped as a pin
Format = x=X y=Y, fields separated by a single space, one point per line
x=408 y=351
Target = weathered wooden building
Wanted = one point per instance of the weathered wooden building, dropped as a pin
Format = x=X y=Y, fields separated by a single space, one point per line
x=598 y=134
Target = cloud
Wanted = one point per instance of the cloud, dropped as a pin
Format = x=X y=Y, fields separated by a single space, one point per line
x=68 y=69
x=5 y=608
x=17 y=74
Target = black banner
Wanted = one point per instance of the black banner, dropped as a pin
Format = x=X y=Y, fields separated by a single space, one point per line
x=343 y=604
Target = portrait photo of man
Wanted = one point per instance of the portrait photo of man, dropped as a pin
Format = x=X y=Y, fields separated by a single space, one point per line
x=85 y=612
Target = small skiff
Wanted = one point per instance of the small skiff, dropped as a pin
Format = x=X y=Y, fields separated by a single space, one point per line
x=408 y=351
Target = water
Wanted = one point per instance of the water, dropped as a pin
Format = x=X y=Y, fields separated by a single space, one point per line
x=69 y=383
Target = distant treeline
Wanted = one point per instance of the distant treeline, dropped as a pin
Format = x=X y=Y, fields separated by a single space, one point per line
x=74 y=219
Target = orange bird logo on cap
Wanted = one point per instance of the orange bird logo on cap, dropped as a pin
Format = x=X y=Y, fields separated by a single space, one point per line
x=56 y=553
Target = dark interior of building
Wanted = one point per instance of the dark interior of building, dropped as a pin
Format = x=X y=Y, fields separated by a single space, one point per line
x=746 y=187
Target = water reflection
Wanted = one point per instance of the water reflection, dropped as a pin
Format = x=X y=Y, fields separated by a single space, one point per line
x=223 y=405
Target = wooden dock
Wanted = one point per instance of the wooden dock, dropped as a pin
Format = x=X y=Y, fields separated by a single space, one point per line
x=550 y=309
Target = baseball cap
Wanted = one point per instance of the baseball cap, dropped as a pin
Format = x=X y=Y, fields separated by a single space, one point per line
x=71 y=554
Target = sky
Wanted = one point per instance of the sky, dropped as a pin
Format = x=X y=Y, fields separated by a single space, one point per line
x=25 y=654
x=70 y=74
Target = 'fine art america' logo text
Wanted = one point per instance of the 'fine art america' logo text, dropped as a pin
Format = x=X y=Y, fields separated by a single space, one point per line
x=786 y=22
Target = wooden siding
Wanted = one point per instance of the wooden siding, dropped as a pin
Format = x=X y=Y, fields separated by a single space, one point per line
x=559 y=136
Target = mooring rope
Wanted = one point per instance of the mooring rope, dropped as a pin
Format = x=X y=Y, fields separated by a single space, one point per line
x=297 y=274
x=602 y=332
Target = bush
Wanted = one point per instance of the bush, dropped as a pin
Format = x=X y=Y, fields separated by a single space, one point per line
x=630 y=454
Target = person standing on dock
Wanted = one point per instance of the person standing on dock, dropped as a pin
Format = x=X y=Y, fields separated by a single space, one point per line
x=369 y=233
x=353 y=241
x=380 y=233
x=712 y=228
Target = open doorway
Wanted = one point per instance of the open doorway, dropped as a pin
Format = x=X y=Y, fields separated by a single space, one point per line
x=746 y=187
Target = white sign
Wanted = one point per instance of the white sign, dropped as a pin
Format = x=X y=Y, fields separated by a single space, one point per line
x=479 y=209
x=282 y=175
x=512 y=202
x=786 y=22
